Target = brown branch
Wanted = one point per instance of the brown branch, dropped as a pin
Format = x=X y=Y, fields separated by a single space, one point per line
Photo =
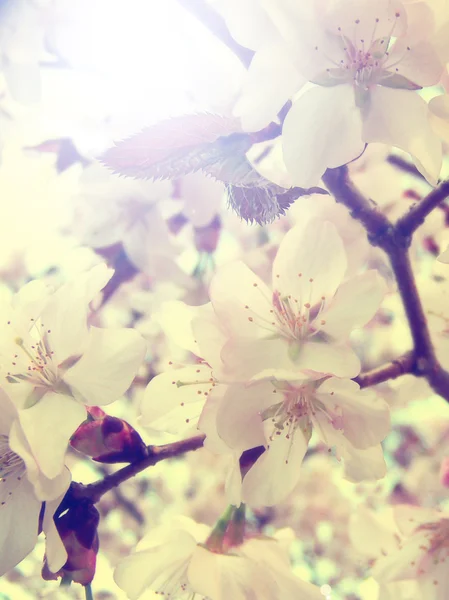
x=415 y=217
x=395 y=241
x=392 y=370
x=94 y=491
x=127 y=505
x=405 y=165
x=217 y=26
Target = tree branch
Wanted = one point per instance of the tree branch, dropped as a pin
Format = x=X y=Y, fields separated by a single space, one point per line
x=392 y=370
x=217 y=26
x=395 y=241
x=410 y=222
x=94 y=491
x=405 y=165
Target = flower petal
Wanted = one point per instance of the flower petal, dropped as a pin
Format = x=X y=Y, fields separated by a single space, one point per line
x=173 y=401
x=55 y=551
x=221 y=576
x=323 y=357
x=240 y=298
x=323 y=129
x=47 y=427
x=365 y=417
x=388 y=121
x=361 y=465
x=276 y=472
x=310 y=263
x=18 y=526
x=271 y=80
x=354 y=304
x=108 y=366
x=244 y=359
x=238 y=416
x=65 y=315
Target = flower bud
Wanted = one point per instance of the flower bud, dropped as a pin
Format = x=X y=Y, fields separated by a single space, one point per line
x=77 y=527
x=108 y=439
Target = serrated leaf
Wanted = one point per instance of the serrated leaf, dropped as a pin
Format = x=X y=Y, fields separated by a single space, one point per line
x=264 y=203
x=175 y=147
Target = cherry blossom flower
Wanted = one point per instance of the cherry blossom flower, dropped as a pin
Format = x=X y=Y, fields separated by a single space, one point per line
x=19 y=506
x=303 y=323
x=362 y=63
x=112 y=209
x=53 y=365
x=281 y=416
x=173 y=561
x=422 y=555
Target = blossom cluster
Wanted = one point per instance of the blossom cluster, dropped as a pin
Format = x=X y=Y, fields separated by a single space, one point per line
x=232 y=283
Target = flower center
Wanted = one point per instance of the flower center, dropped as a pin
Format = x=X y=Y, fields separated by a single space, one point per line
x=365 y=62
x=32 y=360
x=292 y=411
x=12 y=468
x=437 y=536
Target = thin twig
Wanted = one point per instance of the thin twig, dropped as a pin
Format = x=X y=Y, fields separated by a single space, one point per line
x=392 y=370
x=415 y=217
x=94 y=491
x=405 y=165
x=395 y=241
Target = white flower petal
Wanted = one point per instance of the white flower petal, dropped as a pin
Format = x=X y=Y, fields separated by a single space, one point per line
x=55 y=551
x=276 y=472
x=310 y=263
x=354 y=304
x=323 y=129
x=18 y=526
x=108 y=366
x=173 y=401
x=388 y=121
x=240 y=298
x=238 y=415
x=47 y=427
x=244 y=358
x=323 y=357
x=221 y=577
x=365 y=417
x=271 y=80
x=65 y=314
x=361 y=465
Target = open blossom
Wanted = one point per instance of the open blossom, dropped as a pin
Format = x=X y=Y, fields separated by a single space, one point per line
x=422 y=554
x=19 y=506
x=53 y=365
x=303 y=323
x=281 y=415
x=173 y=400
x=173 y=561
x=362 y=62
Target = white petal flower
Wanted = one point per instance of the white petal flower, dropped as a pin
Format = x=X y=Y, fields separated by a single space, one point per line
x=303 y=324
x=172 y=561
x=53 y=365
x=422 y=555
x=281 y=416
x=356 y=66
x=20 y=507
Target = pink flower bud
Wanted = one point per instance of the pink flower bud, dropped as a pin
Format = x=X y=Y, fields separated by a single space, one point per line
x=108 y=439
x=77 y=527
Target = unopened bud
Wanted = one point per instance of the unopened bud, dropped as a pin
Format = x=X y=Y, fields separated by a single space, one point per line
x=108 y=439
x=77 y=527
